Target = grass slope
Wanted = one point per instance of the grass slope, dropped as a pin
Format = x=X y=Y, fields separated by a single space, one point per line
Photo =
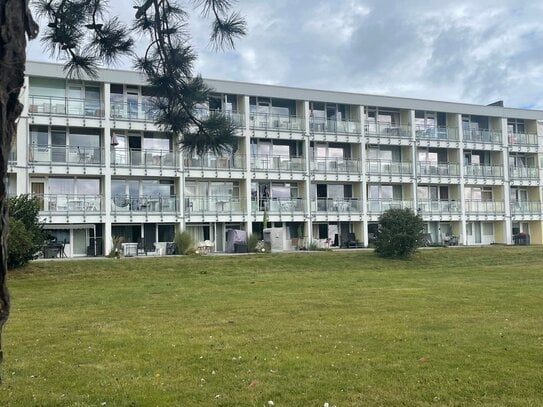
x=449 y=327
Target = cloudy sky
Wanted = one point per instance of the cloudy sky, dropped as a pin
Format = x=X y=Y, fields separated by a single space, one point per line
x=463 y=50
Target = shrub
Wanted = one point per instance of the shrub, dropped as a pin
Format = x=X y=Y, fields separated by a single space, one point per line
x=27 y=231
x=183 y=243
x=400 y=233
x=252 y=242
x=20 y=244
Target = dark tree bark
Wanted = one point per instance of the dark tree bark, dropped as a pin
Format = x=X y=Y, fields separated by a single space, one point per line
x=16 y=24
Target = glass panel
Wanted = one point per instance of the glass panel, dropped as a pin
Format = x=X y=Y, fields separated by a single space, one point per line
x=80 y=242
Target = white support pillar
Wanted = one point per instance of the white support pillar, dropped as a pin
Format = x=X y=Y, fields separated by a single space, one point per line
x=364 y=186
x=464 y=238
x=414 y=158
x=247 y=172
x=307 y=195
x=506 y=184
x=108 y=243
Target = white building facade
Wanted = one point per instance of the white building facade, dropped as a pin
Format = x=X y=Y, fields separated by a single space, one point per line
x=322 y=165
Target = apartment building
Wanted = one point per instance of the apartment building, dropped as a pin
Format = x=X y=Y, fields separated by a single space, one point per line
x=320 y=164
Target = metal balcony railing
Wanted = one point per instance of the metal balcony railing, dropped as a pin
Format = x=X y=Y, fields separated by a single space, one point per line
x=438 y=169
x=261 y=162
x=523 y=139
x=483 y=171
x=278 y=205
x=524 y=172
x=378 y=206
x=68 y=204
x=148 y=204
x=276 y=122
x=213 y=205
x=333 y=126
x=525 y=208
x=436 y=133
x=336 y=166
x=484 y=207
x=387 y=130
x=139 y=158
x=438 y=207
x=213 y=162
x=63 y=155
x=482 y=136
x=337 y=205
x=388 y=167
x=51 y=106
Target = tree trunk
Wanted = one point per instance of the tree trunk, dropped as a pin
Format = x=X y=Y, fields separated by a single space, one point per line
x=15 y=24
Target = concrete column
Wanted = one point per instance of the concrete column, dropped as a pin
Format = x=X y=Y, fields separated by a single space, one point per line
x=506 y=183
x=414 y=159
x=464 y=238
x=108 y=148
x=364 y=185
x=307 y=196
x=247 y=172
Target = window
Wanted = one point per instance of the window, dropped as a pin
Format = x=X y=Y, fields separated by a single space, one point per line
x=166 y=233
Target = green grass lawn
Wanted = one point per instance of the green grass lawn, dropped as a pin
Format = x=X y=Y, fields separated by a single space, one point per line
x=456 y=326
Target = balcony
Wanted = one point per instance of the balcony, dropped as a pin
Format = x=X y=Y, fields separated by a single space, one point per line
x=134 y=111
x=337 y=205
x=436 y=133
x=483 y=171
x=483 y=136
x=58 y=106
x=378 y=206
x=237 y=118
x=388 y=167
x=66 y=155
x=276 y=122
x=333 y=126
x=143 y=204
x=387 y=130
x=531 y=173
x=138 y=158
x=438 y=207
x=213 y=162
x=278 y=206
x=525 y=208
x=70 y=204
x=485 y=207
x=261 y=162
x=213 y=205
x=523 y=139
x=431 y=168
x=336 y=166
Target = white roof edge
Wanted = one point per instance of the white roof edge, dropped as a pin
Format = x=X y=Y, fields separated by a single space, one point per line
x=50 y=69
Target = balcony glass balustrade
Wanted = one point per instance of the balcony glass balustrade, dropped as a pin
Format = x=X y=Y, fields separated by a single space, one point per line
x=484 y=207
x=237 y=118
x=51 y=106
x=63 y=155
x=524 y=172
x=337 y=205
x=431 y=168
x=333 y=126
x=12 y=157
x=388 y=167
x=438 y=207
x=436 y=133
x=482 y=136
x=278 y=205
x=525 y=208
x=336 y=166
x=523 y=139
x=483 y=171
x=261 y=162
x=213 y=162
x=378 y=206
x=387 y=130
x=138 y=158
x=278 y=122
x=212 y=205
x=133 y=111
x=70 y=204
x=149 y=204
